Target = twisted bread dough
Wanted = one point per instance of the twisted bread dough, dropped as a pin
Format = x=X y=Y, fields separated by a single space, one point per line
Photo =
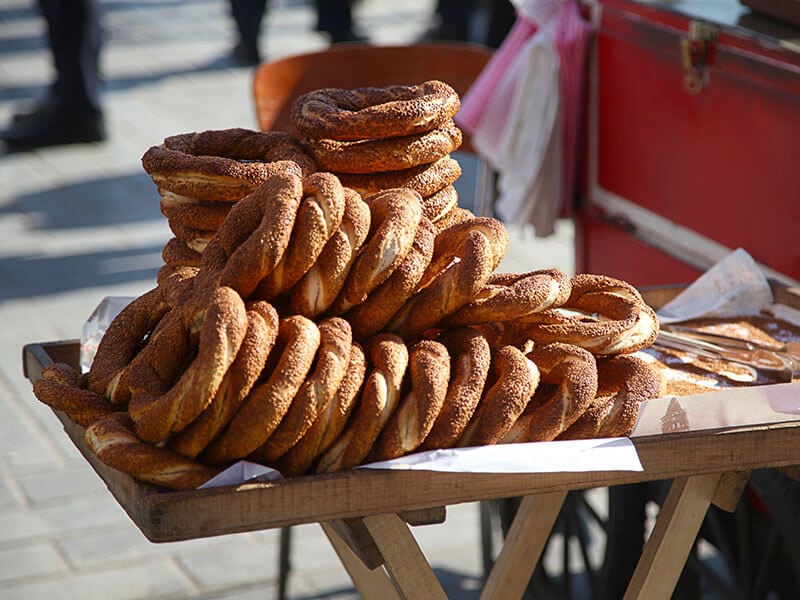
x=268 y=402
x=395 y=217
x=62 y=388
x=470 y=357
x=122 y=340
x=510 y=296
x=112 y=439
x=262 y=330
x=255 y=235
x=388 y=360
x=371 y=316
x=390 y=154
x=318 y=288
x=222 y=328
x=330 y=423
x=318 y=217
x=316 y=392
x=624 y=381
x=570 y=373
x=511 y=383
x=626 y=323
x=429 y=370
x=224 y=164
x=425 y=179
x=371 y=112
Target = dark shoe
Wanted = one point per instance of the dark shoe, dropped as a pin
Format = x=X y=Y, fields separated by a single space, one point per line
x=37 y=111
x=246 y=55
x=445 y=33
x=55 y=128
x=346 y=35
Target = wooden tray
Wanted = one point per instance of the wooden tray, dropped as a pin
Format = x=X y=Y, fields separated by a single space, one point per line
x=170 y=516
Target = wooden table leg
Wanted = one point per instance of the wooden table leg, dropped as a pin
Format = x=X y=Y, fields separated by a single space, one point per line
x=672 y=538
x=410 y=570
x=370 y=583
x=523 y=546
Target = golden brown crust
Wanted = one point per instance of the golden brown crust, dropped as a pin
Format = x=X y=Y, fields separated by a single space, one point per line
x=388 y=360
x=429 y=371
x=262 y=330
x=512 y=381
x=389 y=154
x=112 y=439
x=570 y=375
x=317 y=390
x=330 y=423
x=318 y=217
x=624 y=381
x=222 y=328
x=627 y=323
x=371 y=316
x=470 y=357
x=510 y=296
x=395 y=216
x=268 y=402
x=224 y=164
x=453 y=217
x=437 y=205
x=123 y=339
x=255 y=235
x=192 y=213
x=61 y=388
x=425 y=179
x=371 y=112
x=318 y=288
x=177 y=254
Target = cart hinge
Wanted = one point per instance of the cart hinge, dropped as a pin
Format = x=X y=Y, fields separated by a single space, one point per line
x=697 y=49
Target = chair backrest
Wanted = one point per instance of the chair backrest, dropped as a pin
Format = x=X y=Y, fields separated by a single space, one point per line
x=276 y=84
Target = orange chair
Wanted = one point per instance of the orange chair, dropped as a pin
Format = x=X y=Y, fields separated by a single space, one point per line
x=276 y=84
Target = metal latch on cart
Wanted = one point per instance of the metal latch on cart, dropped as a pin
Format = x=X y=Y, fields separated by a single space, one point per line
x=697 y=50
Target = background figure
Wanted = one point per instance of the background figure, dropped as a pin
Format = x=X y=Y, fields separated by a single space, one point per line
x=455 y=21
x=71 y=112
x=335 y=18
x=248 y=14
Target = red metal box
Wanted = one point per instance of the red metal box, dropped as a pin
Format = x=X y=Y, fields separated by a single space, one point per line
x=693 y=141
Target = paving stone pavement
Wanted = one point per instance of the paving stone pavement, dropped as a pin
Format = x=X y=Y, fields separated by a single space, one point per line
x=78 y=223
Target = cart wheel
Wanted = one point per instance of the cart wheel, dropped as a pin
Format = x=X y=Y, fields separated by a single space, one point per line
x=749 y=554
x=573 y=555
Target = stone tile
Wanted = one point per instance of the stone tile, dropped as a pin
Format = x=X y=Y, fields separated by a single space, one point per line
x=61 y=486
x=25 y=562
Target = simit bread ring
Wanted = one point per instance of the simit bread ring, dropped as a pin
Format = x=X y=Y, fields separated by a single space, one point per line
x=511 y=383
x=395 y=217
x=453 y=217
x=262 y=330
x=429 y=370
x=624 y=381
x=570 y=375
x=470 y=357
x=464 y=257
x=194 y=239
x=224 y=164
x=330 y=423
x=425 y=179
x=626 y=323
x=192 y=213
x=123 y=339
x=112 y=439
x=318 y=217
x=436 y=206
x=391 y=154
x=318 y=288
x=370 y=316
x=371 y=112
x=388 y=360
x=317 y=390
x=268 y=402
x=61 y=388
x=255 y=235
x=177 y=254
x=509 y=296
x=222 y=328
